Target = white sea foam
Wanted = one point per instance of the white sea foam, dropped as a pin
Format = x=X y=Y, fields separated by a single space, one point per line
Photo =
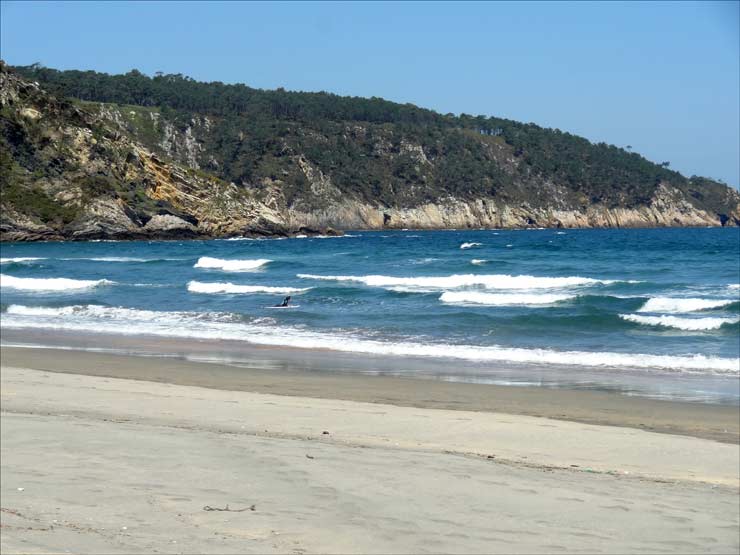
x=127 y=259
x=470 y=245
x=734 y=286
x=402 y=289
x=225 y=326
x=50 y=284
x=118 y=259
x=231 y=265
x=20 y=259
x=478 y=261
x=491 y=281
x=669 y=304
x=40 y=310
x=688 y=324
x=501 y=299
x=84 y=314
x=200 y=287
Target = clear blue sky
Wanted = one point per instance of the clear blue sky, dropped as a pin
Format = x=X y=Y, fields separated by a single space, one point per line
x=663 y=77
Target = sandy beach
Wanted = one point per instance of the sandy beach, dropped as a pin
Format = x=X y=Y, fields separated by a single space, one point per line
x=97 y=459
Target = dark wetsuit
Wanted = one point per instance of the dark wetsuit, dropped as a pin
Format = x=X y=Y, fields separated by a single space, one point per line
x=285 y=302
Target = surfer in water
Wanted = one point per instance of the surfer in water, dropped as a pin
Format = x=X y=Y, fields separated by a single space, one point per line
x=285 y=303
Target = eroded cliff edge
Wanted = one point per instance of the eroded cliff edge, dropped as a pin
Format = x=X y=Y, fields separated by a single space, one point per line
x=91 y=170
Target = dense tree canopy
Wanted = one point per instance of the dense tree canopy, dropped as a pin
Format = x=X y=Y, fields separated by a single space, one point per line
x=255 y=132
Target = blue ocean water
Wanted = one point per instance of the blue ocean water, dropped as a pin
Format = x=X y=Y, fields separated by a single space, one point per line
x=644 y=302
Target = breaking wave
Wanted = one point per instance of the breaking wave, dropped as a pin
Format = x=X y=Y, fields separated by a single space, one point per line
x=491 y=281
x=20 y=260
x=229 y=326
x=122 y=259
x=669 y=304
x=50 y=284
x=688 y=324
x=503 y=299
x=200 y=287
x=470 y=245
x=231 y=265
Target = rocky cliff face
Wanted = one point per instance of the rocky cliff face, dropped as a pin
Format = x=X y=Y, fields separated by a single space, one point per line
x=69 y=174
x=667 y=209
x=86 y=171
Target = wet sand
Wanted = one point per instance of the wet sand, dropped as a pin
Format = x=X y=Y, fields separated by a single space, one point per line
x=95 y=464
x=284 y=372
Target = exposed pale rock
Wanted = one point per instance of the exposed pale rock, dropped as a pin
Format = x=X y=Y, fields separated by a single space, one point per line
x=30 y=113
x=321 y=185
x=168 y=222
x=415 y=151
x=665 y=210
x=102 y=218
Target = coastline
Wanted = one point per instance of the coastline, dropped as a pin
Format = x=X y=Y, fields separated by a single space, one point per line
x=318 y=375
x=20 y=238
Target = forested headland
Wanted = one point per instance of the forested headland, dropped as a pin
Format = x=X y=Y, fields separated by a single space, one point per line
x=312 y=153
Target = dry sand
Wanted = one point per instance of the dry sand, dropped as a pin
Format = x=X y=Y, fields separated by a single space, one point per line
x=94 y=464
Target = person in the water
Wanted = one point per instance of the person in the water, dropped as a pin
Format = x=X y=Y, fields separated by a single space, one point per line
x=285 y=303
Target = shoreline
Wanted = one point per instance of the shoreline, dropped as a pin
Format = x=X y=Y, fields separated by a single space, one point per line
x=128 y=238
x=266 y=373
x=658 y=384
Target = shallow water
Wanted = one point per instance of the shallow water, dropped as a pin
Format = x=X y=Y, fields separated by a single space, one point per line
x=638 y=303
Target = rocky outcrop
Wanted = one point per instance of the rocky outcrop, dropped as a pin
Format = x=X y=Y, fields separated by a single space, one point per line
x=86 y=179
x=489 y=213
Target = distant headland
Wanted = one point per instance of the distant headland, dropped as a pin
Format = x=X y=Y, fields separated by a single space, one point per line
x=86 y=155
